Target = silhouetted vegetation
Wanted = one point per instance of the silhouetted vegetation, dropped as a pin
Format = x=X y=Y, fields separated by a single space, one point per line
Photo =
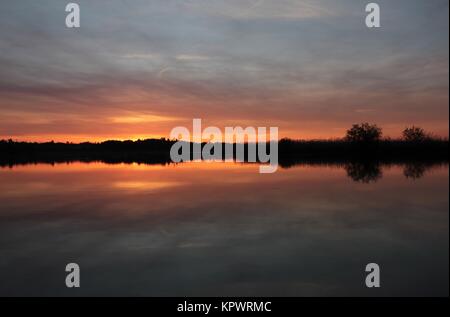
x=151 y=151
x=364 y=133
x=361 y=152
x=415 y=134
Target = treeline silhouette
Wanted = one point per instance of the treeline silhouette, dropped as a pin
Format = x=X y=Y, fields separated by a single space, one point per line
x=364 y=143
x=158 y=151
x=292 y=152
x=151 y=151
x=363 y=148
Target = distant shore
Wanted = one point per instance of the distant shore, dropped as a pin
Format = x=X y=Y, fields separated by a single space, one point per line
x=291 y=152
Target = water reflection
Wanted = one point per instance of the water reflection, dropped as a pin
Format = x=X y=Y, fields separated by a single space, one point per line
x=222 y=229
x=362 y=171
x=367 y=171
x=415 y=171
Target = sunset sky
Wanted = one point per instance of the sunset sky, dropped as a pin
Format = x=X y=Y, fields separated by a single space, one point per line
x=136 y=69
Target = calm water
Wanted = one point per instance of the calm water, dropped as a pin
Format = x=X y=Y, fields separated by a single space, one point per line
x=222 y=229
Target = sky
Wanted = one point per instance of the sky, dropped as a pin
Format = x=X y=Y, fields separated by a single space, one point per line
x=136 y=69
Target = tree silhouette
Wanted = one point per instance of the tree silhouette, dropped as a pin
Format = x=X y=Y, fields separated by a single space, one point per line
x=364 y=133
x=414 y=134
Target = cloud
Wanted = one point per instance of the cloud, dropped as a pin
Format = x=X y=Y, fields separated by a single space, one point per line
x=140 y=56
x=186 y=57
x=306 y=66
x=142 y=118
x=262 y=9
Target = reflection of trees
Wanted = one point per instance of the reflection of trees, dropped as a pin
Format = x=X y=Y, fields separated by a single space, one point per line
x=414 y=170
x=364 y=172
x=371 y=171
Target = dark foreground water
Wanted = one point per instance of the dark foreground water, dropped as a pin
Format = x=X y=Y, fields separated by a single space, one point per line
x=223 y=229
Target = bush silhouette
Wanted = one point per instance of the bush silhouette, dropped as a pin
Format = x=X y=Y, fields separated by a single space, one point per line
x=364 y=133
x=414 y=134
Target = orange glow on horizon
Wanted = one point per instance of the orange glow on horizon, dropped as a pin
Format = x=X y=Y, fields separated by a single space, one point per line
x=306 y=133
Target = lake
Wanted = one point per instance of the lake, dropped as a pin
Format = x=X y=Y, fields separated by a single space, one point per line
x=223 y=229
